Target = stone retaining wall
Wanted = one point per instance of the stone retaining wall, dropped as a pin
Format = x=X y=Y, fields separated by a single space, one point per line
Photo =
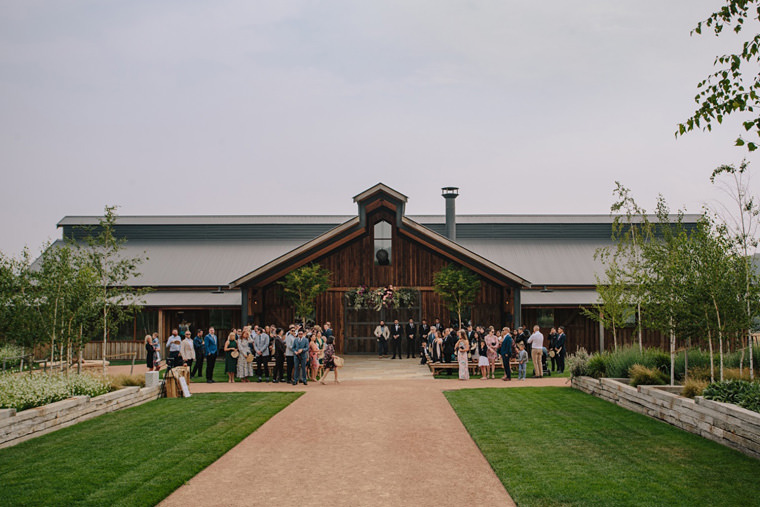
x=724 y=423
x=17 y=427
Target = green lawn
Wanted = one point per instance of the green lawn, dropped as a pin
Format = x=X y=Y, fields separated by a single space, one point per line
x=559 y=446
x=136 y=456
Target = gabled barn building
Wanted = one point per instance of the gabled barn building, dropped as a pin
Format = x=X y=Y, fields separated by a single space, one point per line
x=223 y=270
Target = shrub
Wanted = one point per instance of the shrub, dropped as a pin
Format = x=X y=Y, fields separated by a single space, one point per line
x=641 y=375
x=33 y=390
x=658 y=359
x=694 y=387
x=596 y=366
x=578 y=363
x=620 y=361
x=739 y=392
x=124 y=380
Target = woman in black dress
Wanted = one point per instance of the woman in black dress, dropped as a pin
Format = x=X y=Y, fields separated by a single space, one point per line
x=149 y=352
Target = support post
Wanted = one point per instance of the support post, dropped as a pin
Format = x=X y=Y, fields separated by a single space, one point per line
x=518 y=308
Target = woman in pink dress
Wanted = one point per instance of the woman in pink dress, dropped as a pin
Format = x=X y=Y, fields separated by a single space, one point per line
x=313 y=356
x=492 y=344
x=462 y=347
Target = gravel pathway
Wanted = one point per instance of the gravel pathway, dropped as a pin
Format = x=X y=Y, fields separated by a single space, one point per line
x=366 y=441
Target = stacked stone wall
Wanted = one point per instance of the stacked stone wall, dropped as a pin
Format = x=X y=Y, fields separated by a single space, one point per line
x=16 y=427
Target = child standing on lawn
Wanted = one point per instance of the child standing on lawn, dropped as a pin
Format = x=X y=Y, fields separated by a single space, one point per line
x=522 y=359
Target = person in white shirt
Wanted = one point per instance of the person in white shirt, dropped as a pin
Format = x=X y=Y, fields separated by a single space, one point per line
x=173 y=344
x=536 y=342
x=290 y=337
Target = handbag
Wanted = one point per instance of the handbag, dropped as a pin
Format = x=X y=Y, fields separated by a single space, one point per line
x=338 y=361
x=249 y=358
x=234 y=354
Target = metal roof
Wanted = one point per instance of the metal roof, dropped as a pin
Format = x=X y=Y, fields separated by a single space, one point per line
x=83 y=220
x=199 y=263
x=188 y=298
x=544 y=261
x=558 y=297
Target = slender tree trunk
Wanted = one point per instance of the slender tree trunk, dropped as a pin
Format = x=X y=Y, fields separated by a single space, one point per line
x=672 y=357
x=720 y=336
x=79 y=360
x=105 y=335
x=686 y=361
x=638 y=323
x=712 y=357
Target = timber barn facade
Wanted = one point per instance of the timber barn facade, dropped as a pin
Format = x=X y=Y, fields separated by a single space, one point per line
x=223 y=270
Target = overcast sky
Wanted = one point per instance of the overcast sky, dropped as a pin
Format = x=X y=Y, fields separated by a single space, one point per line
x=245 y=107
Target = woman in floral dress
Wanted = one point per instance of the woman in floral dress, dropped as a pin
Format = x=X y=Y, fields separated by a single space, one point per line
x=462 y=347
x=244 y=368
x=329 y=359
x=321 y=346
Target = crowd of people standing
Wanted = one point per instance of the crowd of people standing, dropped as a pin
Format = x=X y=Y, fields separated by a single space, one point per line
x=299 y=354
x=483 y=345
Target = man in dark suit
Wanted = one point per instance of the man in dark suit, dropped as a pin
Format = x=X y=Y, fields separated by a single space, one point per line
x=449 y=344
x=561 y=349
x=411 y=334
x=424 y=330
x=396 y=332
x=438 y=324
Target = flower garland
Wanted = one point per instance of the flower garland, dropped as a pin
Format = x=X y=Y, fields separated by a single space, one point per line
x=383 y=297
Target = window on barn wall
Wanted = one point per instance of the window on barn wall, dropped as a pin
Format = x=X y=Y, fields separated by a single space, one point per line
x=546 y=317
x=383 y=243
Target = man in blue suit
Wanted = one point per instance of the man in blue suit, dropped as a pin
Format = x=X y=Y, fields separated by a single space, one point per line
x=212 y=345
x=301 y=357
x=505 y=351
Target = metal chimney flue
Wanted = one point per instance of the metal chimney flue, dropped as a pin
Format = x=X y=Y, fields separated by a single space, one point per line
x=450 y=194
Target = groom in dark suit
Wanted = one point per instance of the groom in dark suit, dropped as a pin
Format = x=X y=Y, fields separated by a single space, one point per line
x=411 y=332
x=396 y=332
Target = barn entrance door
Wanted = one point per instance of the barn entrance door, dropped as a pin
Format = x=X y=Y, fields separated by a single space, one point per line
x=360 y=325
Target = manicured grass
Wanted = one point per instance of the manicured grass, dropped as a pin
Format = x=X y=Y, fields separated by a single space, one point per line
x=559 y=446
x=136 y=456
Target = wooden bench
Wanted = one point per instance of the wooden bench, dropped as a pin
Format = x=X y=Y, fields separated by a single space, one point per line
x=436 y=368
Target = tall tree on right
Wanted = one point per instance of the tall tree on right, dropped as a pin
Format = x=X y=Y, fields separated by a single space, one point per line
x=734 y=87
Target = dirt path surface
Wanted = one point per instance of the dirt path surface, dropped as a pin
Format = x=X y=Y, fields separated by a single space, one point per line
x=384 y=436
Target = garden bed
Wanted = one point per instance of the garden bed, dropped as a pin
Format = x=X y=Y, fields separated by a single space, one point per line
x=37 y=403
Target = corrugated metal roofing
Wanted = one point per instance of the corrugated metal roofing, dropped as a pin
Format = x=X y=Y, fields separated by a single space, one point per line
x=187 y=298
x=200 y=263
x=558 y=298
x=215 y=263
x=543 y=261
x=338 y=219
